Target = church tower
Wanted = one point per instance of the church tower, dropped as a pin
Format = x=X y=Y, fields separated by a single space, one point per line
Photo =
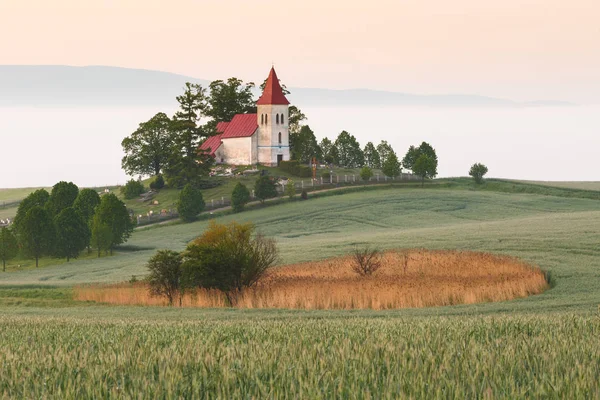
x=273 y=128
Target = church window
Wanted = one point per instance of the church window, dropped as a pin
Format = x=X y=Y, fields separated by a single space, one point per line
x=279 y=137
x=281 y=118
x=262 y=119
x=266 y=118
x=277 y=118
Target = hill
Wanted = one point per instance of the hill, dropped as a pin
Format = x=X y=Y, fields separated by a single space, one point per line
x=101 y=86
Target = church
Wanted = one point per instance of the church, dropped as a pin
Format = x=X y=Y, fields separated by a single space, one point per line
x=261 y=138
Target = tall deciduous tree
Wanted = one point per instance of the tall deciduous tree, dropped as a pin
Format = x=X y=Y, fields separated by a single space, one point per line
x=228 y=99
x=113 y=213
x=391 y=166
x=86 y=203
x=72 y=234
x=304 y=145
x=36 y=233
x=425 y=167
x=295 y=119
x=328 y=151
x=384 y=150
x=9 y=248
x=38 y=198
x=62 y=196
x=349 y=152
x=101 y=234
x=148 y=149
x=372 y=159
x=413 y=154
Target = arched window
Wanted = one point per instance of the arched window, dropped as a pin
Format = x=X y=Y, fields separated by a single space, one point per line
x=279 y=137
x=277 y=118
x=266 y=119
x=262 y=119
x=282 y=119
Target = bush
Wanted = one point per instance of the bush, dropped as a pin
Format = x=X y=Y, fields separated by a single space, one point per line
x=366 y=173
x=190 y=203
x=295 y=168
x=265 y=188
x=239 y=197
x=304 y=195
x=326 y=175
x=229 y=258
x=165 y=275
x=478 y=171
x=290 y=189
x=158 y=182
x=366 y=261
x=132 y=189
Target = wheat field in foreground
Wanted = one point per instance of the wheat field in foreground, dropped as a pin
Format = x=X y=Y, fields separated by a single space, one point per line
x=414 y=278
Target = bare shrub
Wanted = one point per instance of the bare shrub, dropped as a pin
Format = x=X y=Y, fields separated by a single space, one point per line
x=366 y=261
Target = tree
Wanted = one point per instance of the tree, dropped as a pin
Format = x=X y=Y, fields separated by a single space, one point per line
x=425 y=167
x=265 y=188
x=36 y=233
x=372 y=159
x=239 y=197
x=366 y=261
x=410 y=158
x=86 y=202
x=158 y=182
x=72 y=234
x=413 y=154
x=304 y=146
x=38 y=198
x=101 y=235
x=229 y=258
x=290 y=189
x=384 y=150
x=328 y=151
x=9 y=248
x=132 y=189
x=349 y=151
x=112 y=212
x=366 y=173
x=295 y=119
x=190 y=204
x=391 y=166
x=148 y=149
x=228 y=99
x=165 y=275
x=63 y=196
x=478 y=171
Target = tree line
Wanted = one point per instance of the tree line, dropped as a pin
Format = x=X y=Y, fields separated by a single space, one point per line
x=65 y=222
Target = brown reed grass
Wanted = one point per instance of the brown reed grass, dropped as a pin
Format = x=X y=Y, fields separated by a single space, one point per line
x=407 y=279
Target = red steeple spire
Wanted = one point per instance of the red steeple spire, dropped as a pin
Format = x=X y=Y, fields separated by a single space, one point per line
x=273 y=94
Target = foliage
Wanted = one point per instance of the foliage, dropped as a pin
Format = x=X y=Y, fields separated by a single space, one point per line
x=290 y=189
x=372 y=159
x=62 y=196
x=86 y=202
x=425 y=167
x=190 y=204
x=304 y=194
x=366 y=261
x=38 y=198
x=157 y=183
x=36 y=233
x=239 y=197
x=295 y=119
x=112 y=212
x=229 y=258
x=478 y=171
x=304 y=146
x=101 y=235
x=384 y=150
x=132 y=189
x=147 y=150
x=366 y=173
x=72 y=234
x=413 y=154
x=228 y=99
x=329 y=152
x=293 y=167
x=391 y=166
x=9 y=248
x=349 y=153
x=265 y=188
x=164 y=278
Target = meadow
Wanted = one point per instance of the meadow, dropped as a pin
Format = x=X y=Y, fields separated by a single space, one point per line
x=543 y=345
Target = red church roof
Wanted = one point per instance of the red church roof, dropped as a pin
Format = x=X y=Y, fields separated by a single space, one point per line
x=221 y=126
x=242 y=125
x=212 y=144
x=273 y=94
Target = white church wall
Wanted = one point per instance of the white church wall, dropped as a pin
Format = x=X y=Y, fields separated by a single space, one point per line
x=238 y=151
x=268 y=134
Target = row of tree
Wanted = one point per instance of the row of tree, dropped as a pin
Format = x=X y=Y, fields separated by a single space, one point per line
x=64 y=222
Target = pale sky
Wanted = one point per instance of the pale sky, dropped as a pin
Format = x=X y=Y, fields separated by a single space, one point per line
x=517 y=49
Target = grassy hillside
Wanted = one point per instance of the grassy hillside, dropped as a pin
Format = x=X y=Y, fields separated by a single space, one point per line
x=568 y=185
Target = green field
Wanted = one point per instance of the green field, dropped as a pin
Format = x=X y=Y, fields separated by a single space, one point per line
x=542 y=346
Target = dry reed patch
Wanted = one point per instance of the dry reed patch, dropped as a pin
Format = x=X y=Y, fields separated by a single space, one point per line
x=415 y=278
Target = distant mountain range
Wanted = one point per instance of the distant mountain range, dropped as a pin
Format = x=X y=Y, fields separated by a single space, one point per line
x=94 y=86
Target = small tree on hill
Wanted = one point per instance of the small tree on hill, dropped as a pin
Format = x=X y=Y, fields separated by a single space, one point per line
x=165 y=275
x=190 y=204
x=239 y=197
x=132 y=189
x=9 y=248
x=391 y=166
x=265 y=188
x=72 y=234
x=290 y=189
x=101 y=235
x=372 y=159
x=366 y=261
x=86 y=202
x=425 y=167
x=112 y=212
x=36 y=233
x=478 y=171
x=366 y=173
